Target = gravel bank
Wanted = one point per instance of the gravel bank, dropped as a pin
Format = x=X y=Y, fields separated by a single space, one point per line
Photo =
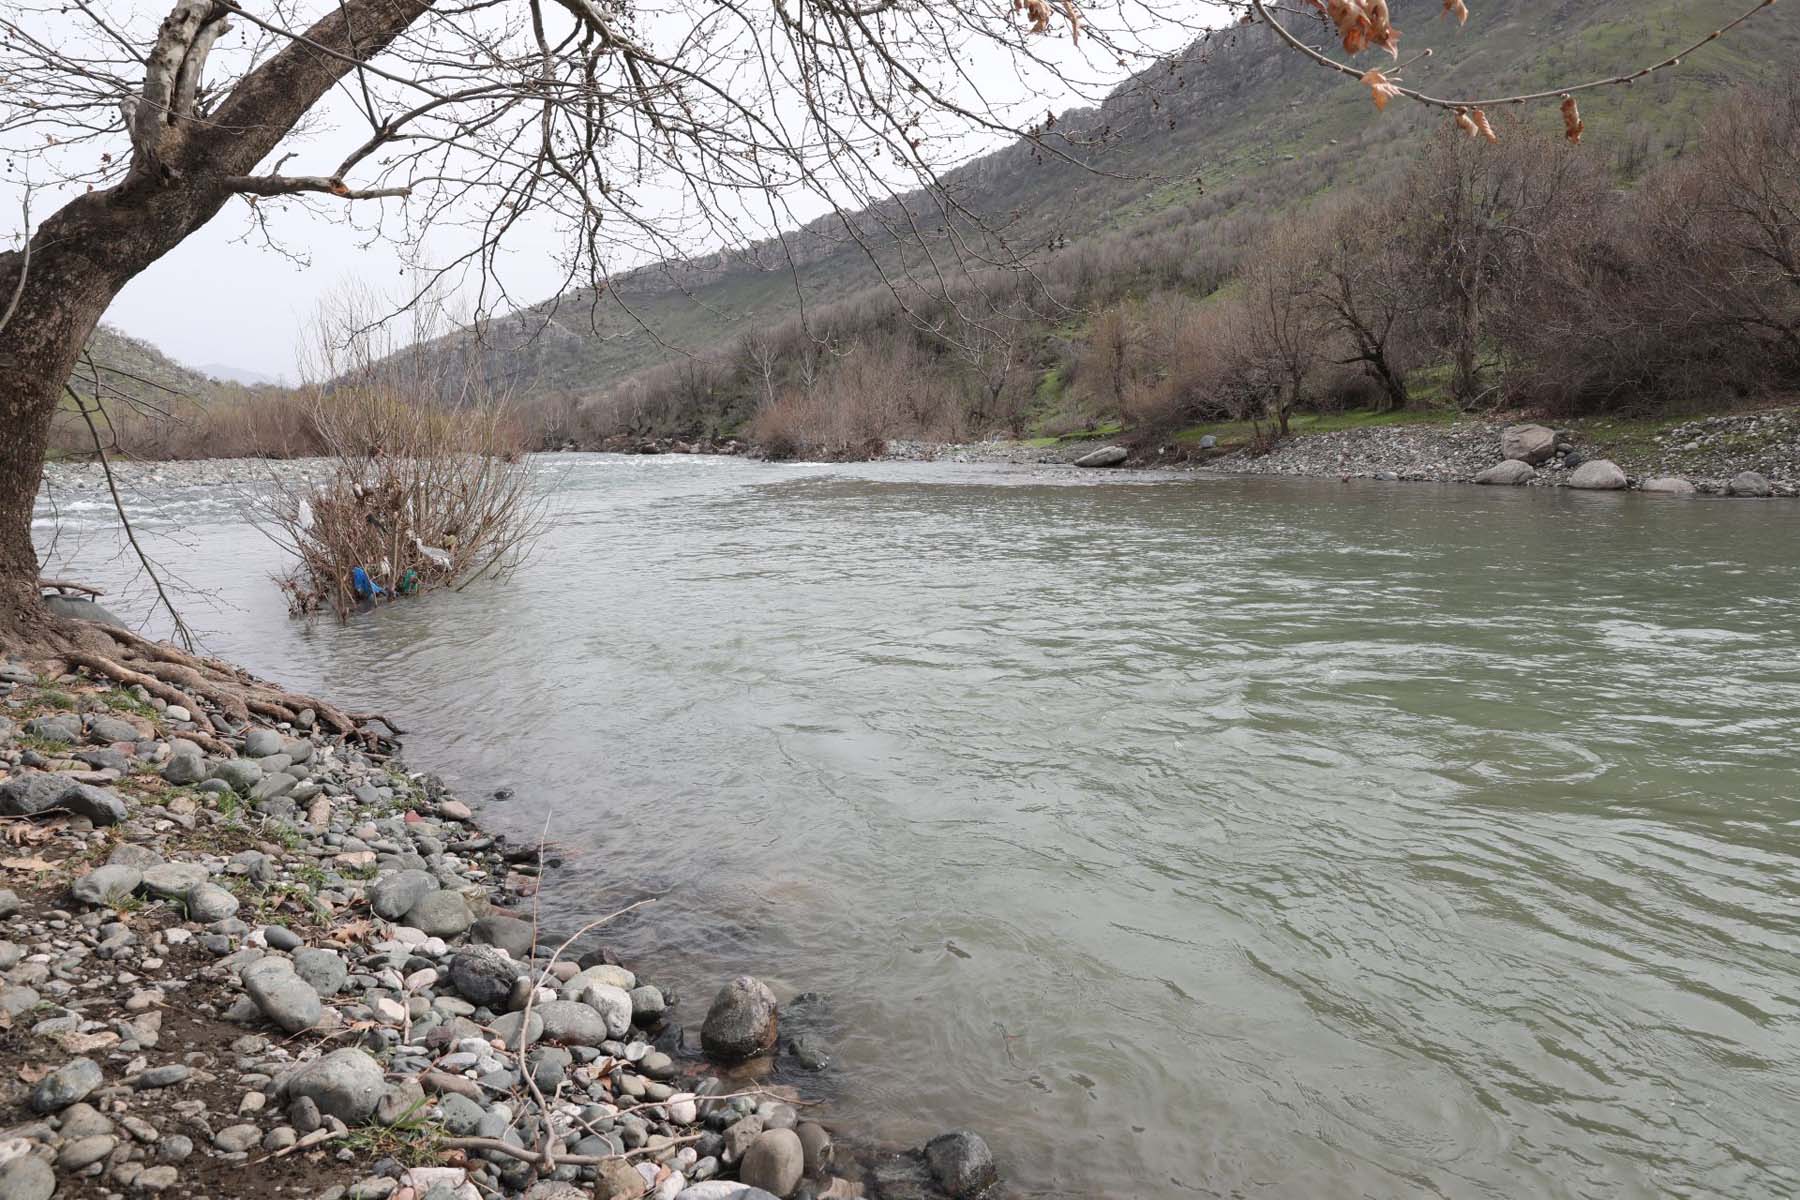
x=1708 y=452
x=301 y=970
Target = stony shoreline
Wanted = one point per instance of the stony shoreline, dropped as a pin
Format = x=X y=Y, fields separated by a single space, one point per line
x=1707 y=452
x=294 y=968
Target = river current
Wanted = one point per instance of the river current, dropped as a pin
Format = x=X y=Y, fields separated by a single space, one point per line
x=1185 y=837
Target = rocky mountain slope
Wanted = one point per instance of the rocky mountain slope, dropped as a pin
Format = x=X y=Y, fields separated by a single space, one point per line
x=1236 y=115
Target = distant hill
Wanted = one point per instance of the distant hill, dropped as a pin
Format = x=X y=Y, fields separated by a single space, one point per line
x=243 y=375
x=1236 y=114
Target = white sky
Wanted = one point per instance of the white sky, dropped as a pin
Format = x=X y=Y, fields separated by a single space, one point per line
x=222 y=298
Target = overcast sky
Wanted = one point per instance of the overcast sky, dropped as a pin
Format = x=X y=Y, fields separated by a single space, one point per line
x=225 y=299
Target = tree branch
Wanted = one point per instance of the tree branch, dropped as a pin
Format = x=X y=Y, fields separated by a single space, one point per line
x=294 y=185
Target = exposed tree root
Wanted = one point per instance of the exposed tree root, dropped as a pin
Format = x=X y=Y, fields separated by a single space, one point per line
x=197 y=683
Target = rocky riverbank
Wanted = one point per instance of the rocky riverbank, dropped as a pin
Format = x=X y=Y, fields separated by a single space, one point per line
x=1706 y=454
x=259 y=961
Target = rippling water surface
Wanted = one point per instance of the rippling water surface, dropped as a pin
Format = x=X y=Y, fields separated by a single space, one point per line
x=1187 y=837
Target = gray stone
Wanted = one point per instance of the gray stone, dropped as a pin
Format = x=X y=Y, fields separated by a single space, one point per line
x=284 y=997
x=240 y=774
x=507 y=1028
x=1668 y=485
x=55 y=727
x=775 y=1162
x=460 y=1114
x=130 y=854
x=961 y=1163
x=99 y=805
x=509 y=933
x=816 y=1144
x=279 y=937
x=72 y=1081
x=646 y=1003
x=83 y=1152
x=9 y=902
x=440 y=914
x=173 y=880
x=208 y=902
x=158 y=1179
x=723 y=1189
x=1748 y=483
x=1208 y=442
x=32 y=793
x=260 y=743
x=104 y=730
x=323 y=970
x=27 y=1177
x=186 y=768
x=235 y=1139
x=1105 y=456
x=1509 y=473
x=391 y=896
x=1598 y=475
x=483 y=975
x=81 y=608
x=161 y=1077
x=107 y=885
x=741 y=1022
x=572 y=1021
x=1533 y=444
x=346 y=1084
x=613 y=1004
x=271 y=787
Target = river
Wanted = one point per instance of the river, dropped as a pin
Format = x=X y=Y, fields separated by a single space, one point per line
x=1186 y=837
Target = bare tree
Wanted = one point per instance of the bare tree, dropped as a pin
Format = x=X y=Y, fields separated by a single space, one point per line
x=1366 y=292
x=1285 y=331
x=479 y=118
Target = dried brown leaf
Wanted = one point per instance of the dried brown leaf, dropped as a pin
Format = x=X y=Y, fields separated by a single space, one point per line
x=1381 y=88
x=1481 y=125
x=1572 y=122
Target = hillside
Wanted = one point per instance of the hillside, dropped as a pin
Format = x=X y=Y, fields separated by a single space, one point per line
x=1238 y=118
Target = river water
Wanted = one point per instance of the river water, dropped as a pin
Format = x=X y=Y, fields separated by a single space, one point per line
x=1187 y=837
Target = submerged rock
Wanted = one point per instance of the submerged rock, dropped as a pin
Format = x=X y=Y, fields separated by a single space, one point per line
x=961 y=1163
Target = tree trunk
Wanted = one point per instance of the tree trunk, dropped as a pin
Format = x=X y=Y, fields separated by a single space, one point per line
x=99 y=241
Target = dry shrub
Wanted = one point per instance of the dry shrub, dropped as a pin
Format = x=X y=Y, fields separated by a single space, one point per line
x=423 y=491
x=879 y=390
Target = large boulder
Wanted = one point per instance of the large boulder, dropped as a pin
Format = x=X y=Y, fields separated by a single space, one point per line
x=741 y=1022
x=1598 y=475
x=775 y=1162
x=442 y=913
x=392 y=896
x=1532 y=444
x=1510 y=473
x=1748 y=483
x=32 y=793
x=39 y=791
x=484 y=975
x=509 y=933
x=1105 y=456
x=961 y=1163
x=81 y=609
x=346 y=1084
x=573 y=1022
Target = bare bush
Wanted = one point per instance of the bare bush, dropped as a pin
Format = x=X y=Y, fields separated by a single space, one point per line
x=423 y=492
